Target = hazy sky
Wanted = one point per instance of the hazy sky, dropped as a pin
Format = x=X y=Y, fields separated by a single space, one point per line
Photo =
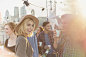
x=10 y=4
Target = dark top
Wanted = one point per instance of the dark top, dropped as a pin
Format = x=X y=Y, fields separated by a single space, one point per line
x=12 y=48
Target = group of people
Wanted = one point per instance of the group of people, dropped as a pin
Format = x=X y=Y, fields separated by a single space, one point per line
x=24 y=42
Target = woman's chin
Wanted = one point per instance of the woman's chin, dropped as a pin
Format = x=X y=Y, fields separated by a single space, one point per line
x=7 y=34
x=29 y=32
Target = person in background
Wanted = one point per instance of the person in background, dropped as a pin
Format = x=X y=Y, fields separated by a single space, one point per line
x=84 y=40
x=24 y=29
x=46 y=37
x=11 y=41
x=39 y=29
x=70 y=42
x=33 y=39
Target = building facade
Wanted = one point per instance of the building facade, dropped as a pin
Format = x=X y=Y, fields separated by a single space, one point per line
x=23 y=10
x=16 y=14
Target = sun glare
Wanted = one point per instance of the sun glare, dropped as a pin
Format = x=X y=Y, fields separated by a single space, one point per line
x=82 y=6
x=84 y=13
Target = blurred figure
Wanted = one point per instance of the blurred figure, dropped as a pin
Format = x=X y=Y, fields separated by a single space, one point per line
x=11 y=41
x=33 y=41
x=84 y=36
x=70 y=41
x=24 y=29
x=39 y=29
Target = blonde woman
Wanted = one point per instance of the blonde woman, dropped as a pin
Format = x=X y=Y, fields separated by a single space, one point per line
x=11 y=41
x=26 y=26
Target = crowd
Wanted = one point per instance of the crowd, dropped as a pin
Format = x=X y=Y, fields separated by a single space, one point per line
x=23 y=41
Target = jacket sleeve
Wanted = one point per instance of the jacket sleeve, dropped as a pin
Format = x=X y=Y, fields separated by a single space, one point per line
x=21 y=47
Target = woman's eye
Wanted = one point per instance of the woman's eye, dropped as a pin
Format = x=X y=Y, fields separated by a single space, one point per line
x=28 y=25
x=32 y=25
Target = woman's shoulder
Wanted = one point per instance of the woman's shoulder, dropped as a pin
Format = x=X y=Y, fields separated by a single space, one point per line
x=7 y=40
x=20 y=38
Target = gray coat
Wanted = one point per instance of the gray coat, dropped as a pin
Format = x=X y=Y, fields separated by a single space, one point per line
x=23 y=47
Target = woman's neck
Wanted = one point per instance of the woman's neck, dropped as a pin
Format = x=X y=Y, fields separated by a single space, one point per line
x=13 y=36
x=29 y=35
x=26 y=35
x=37 y=34
x=46 y=32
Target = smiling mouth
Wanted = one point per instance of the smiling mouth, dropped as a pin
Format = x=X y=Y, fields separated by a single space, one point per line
x=29 y=31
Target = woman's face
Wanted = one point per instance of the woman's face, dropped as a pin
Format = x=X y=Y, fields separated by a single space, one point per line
x=38 y=30
x=29 y=27
x=8 y=30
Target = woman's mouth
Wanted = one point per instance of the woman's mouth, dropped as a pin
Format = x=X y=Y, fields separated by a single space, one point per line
x=29 y=31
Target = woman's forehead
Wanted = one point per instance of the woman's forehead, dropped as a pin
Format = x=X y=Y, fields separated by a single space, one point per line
x=30 y=21
x=7 y=26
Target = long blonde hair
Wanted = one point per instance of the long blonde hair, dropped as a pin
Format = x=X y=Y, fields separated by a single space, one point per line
x=22 y=27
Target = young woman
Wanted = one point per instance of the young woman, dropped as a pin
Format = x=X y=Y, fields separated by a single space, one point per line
x=39 y=29
x=11 y=41
x=26 y=26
